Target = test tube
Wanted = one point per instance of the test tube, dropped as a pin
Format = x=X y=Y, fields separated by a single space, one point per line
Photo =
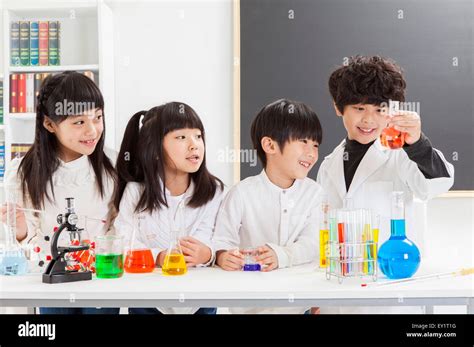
x=375 y=237
x=341 y=215
x=323 y=232
x=349 y=242
x=332 y=238
x=368 y=232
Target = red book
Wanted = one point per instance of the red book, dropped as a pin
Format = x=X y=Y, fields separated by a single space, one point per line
x=22 y=93
x=43 y=43
x=14 y=93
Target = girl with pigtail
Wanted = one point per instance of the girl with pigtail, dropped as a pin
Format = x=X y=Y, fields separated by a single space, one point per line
x=66 y=159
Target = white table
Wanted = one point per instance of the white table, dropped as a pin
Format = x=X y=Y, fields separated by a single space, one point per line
x=212 y=287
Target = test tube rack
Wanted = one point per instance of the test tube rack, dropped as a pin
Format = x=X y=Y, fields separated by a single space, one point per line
x=351 y=259
x=351 y=248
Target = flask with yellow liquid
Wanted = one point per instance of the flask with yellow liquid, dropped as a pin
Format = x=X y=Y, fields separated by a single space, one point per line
x=174 y=264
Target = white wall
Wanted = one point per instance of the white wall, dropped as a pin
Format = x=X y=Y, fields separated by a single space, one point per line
x=177 y=51
x=450 y=231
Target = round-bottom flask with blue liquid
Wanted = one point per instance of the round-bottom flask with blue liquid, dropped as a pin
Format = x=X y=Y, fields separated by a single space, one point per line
x=398 y=257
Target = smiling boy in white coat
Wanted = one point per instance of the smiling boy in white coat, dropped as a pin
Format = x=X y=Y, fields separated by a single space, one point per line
x=360 y=168
x=277 y=210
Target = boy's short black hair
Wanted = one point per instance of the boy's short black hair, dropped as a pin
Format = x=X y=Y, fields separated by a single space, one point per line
x=284 y=120
x=367 y=80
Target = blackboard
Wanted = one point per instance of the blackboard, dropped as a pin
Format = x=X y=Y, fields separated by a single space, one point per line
x=289 y=48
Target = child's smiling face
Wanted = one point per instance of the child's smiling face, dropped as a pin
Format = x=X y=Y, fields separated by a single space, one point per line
x=77 y=135
x=364 y=122
x=293 y=162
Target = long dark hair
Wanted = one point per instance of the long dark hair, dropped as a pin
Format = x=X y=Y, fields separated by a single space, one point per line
x=41 y=161
x=141 y=157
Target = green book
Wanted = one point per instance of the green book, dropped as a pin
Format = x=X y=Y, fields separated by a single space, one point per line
x=24 y=43
x=34 y=47
x=54 y=43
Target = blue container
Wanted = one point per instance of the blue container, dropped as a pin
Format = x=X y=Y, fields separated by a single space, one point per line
x=13 y=262
x=398 y=257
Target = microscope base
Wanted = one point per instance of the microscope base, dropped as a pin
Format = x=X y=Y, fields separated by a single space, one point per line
x=68 y=277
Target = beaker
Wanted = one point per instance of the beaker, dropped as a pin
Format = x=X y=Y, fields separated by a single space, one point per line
x=109 y=256
x=250 y=259
x=13 y=260
x=139 y=259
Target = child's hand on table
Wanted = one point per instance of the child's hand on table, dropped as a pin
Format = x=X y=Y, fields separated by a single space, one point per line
x=267 y=258
x=231 y=260
x=195 y=252
x=409 y=123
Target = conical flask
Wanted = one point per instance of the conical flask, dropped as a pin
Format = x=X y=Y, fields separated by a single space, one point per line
x=139 y=258
x=174 y=263
x=13 y=260
x=398 y=257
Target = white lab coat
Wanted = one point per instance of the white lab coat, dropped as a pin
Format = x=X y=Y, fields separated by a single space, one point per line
x=380 y=172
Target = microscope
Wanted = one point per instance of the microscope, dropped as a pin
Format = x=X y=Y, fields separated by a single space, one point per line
x=56 y=271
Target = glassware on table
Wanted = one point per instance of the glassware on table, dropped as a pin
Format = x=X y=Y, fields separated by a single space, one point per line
x=109 y=256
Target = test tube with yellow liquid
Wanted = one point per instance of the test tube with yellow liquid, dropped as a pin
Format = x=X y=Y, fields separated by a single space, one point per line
x=375 y=235
x=323 y=232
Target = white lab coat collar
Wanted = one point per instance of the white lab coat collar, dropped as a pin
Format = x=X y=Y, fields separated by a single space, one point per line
x=79 y=163
x=274 y=187
x=187 y=194
x=375 y=157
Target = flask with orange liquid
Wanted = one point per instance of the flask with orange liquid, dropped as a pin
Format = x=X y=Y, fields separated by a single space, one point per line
x=174 y=263
x=139 y=259
x=391 y=137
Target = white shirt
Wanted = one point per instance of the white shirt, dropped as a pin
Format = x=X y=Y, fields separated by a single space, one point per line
x=72 y=179
x=256 y=212
x=155 y=228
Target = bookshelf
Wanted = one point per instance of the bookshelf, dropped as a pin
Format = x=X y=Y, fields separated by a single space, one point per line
x=86 y=44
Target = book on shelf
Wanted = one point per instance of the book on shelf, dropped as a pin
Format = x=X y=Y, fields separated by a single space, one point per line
x=1 y=101
x=24 y=43
x=25 y=87
x=19 y=150
x=21 y=93
x=43 y=43
x=2 y=160
x=15 y=43
x=13 y=93
x=53 y=43
x=34 y=43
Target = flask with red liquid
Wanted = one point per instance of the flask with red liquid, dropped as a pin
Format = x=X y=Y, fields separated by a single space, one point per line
x=139 y=258
x=391 y=137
